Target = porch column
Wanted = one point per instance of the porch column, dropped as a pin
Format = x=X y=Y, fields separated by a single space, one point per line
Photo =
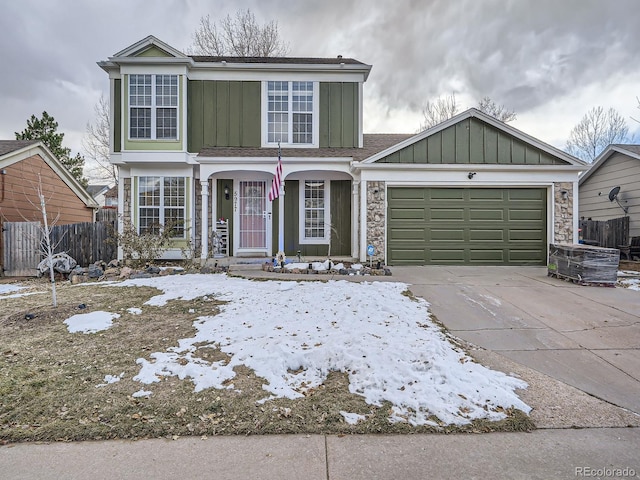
x=363 y=221
x=204 y=185
x=355 y=218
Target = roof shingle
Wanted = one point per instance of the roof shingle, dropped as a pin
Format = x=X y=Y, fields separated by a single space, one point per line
x=8 y=146
x=372 y=143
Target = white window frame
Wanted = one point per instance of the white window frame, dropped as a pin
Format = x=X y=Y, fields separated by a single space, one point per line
x=162 y=207
x=303 y=239
x=315 y=128
x=154 y=108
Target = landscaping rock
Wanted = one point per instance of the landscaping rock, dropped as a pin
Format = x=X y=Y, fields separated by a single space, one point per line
x=95 y=271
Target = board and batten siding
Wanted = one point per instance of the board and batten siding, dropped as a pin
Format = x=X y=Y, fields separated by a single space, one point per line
x=339 y=114
x=340 y=204
x=618 y=170
x=223 y=114
x=472 y=141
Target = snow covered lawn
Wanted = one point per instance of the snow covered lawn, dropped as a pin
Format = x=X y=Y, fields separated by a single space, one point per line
x=293 y=334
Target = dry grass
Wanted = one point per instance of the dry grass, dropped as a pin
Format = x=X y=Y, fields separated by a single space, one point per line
x=48 y=378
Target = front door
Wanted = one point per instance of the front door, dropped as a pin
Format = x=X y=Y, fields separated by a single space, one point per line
x=253 y=217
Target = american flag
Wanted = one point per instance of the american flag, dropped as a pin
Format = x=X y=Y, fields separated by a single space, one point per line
x=277 y=179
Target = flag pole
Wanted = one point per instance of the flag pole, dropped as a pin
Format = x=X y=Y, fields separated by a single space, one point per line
x=281 y=208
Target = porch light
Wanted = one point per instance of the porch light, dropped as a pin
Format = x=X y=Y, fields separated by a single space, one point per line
x=226 y=192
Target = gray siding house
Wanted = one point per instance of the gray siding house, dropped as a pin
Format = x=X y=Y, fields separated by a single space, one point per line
x=617 y=166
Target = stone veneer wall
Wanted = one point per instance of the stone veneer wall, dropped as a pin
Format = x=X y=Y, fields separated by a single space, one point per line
x=563 y=214
x=375 y=218
x=126 y=201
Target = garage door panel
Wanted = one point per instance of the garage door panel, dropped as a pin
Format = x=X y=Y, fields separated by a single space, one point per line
x=522 y=214
x=446 y=235
x=525 y=235
x=484 y=226
x=486 y=256
x=448 y=255
x=446 y=214
x=476 y=214
x=407 y=213
x=407 y=234
x=486 y=235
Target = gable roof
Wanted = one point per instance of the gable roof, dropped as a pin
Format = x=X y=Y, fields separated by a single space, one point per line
x=488 y=119
x=14 y=151
x=95 y=190
x=632 y=151
x=135 y=54
x=372 y=143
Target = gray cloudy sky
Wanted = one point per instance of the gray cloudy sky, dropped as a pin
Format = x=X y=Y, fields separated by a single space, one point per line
x=549 y=60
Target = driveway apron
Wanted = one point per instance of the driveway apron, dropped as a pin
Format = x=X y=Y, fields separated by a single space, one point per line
x=585 y=336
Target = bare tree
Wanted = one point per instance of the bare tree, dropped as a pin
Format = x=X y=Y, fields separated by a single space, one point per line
x=238 y=36
x=501 y=113
x=438 y=110
x=47 y=247
x=96 y=143
x=597 y=129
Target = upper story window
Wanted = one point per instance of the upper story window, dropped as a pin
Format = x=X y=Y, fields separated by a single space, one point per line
x=291 y=113
x=153 y=107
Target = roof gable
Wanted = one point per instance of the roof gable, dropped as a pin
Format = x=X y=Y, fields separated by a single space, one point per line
x=149 y=47
x=473 y=137
x=632 y=151
x=30 y=148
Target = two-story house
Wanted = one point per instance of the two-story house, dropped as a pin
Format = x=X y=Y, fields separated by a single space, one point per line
x=197 y=140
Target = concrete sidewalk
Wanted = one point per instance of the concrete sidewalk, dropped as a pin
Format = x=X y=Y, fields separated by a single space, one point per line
x=587 y=337
x=573 y=345
x=544 y=454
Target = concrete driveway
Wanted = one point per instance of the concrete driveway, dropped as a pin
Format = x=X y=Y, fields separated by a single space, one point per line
x=586 y=337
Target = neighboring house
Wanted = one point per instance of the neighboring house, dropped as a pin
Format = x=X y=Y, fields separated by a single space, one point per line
x=26 y=164
x=196 y=140
x=616 y=166
x=98 y=192
x=111 y=198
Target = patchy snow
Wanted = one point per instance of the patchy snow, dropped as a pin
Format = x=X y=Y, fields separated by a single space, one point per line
x=134 y=311
x=294 y=334
x=109 y=379
x=90 y=322
x=352 y=418
x=7 y=288
x=141 y=393
x=7 y=291
x=630 y=283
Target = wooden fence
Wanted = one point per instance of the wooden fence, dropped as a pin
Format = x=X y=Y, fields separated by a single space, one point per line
x=86 y=243
x=606 y=233
x=20 y=248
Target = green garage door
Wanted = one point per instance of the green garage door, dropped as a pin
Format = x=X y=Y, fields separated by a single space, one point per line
x=481 y=226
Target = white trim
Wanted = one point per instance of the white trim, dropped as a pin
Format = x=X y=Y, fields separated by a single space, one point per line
x=363 y=220
x=292 y=72
x=301 y=211
x=604 y=156
x=146 y=43
x=472 y=112
x=154 y=108
x=315 y=116
x=40 y=149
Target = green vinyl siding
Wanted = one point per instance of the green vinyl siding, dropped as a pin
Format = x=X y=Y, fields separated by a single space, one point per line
x=153 y=51
x=153 y=144
x=339 y=107
x=340 y=207
x=340 y=217
x=117 y=115
x=472 y=141
x=223 y=114
x=481 y=226
x=224 y=207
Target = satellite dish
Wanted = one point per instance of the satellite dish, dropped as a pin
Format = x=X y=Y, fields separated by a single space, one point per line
x=613 y=194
